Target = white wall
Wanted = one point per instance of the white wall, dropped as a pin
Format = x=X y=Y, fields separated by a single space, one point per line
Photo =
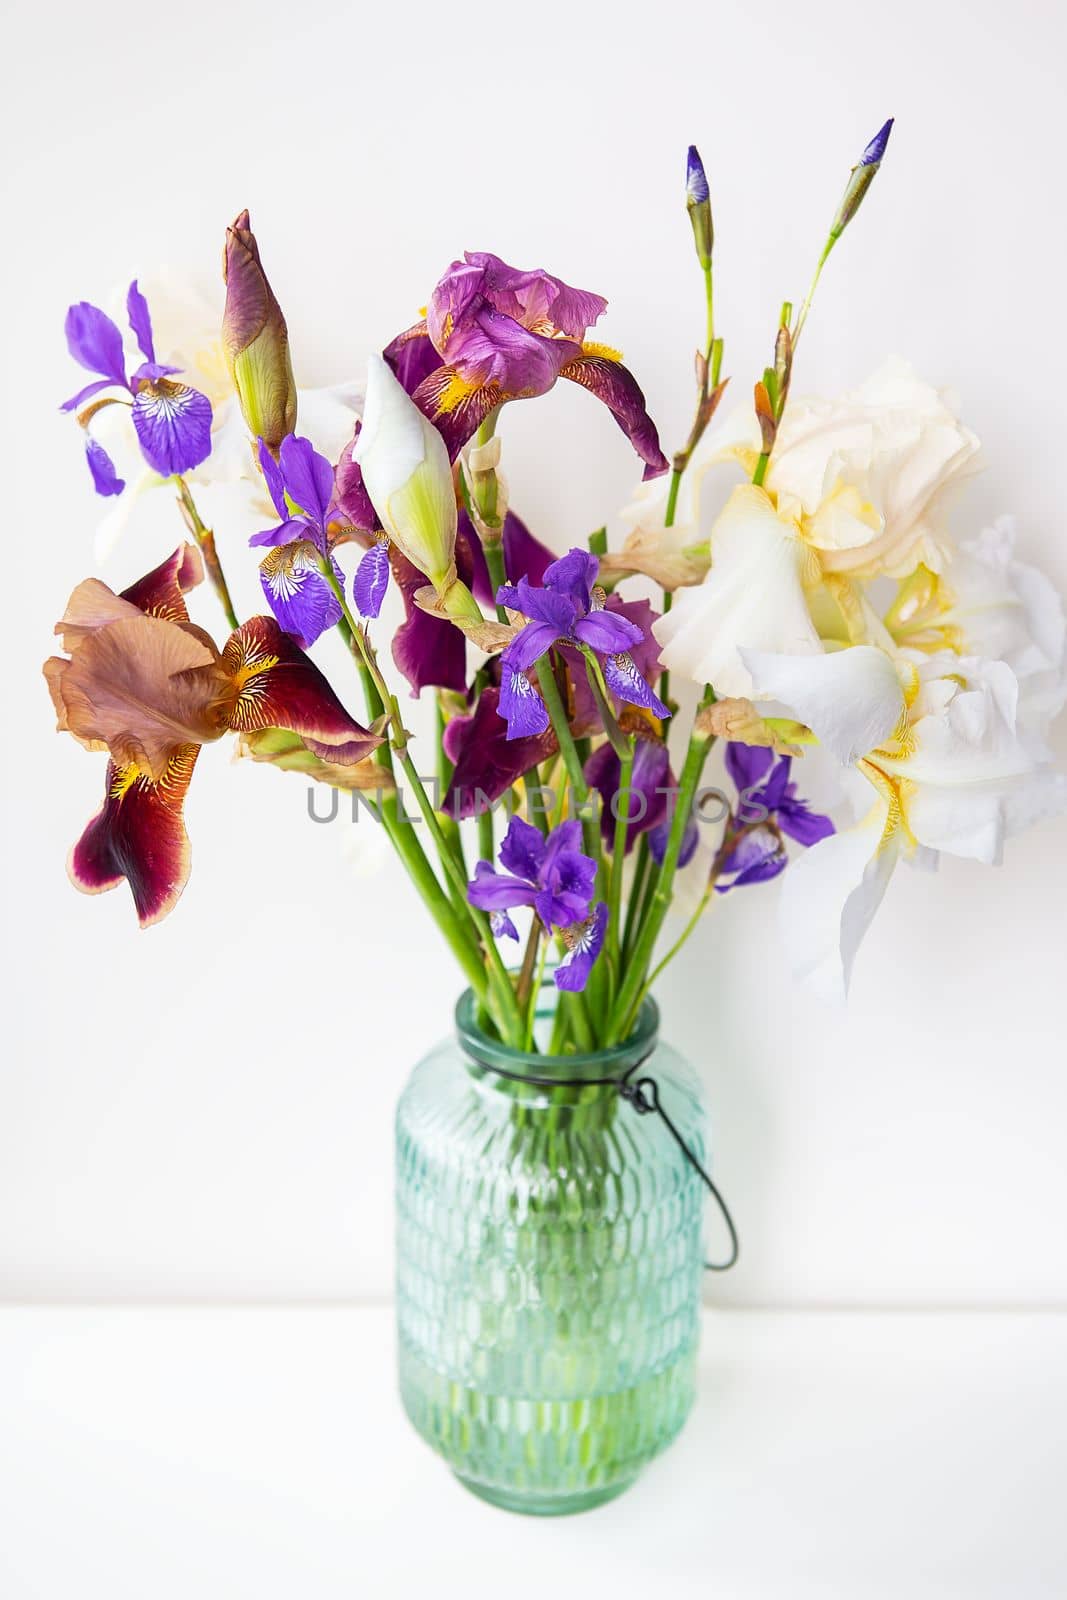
x=204 y=1110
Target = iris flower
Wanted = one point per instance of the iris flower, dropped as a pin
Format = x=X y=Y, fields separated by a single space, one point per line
x=172 y=421
x=493 y=333
x=651 y=784
x=552 y=876
x=753 y=849
x=301 y=486
x=147 y=686
x=567 y=609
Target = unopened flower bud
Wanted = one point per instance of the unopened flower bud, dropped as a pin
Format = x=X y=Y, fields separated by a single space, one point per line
x=698 y=203
x=860 y=179
x=256 y=340
x=408 y=476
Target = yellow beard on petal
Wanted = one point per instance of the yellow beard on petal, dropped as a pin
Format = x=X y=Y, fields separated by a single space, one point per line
x=602 y=352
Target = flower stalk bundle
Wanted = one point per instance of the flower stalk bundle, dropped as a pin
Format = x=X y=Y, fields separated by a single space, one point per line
x=806 y=585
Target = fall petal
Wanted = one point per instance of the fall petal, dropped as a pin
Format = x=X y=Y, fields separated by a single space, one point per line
x=139 y=834
x=275 y=685
x=851 y=699
x=617 y=387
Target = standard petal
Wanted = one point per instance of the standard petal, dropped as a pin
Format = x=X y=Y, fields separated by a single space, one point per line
x=275 y=685
x=748 y=764
x=606 y=377
x=173 y=424
x=272 y=477
x=574 y=575
x=522 y=849
x=95 y=342
x=608 y=633
x=752 y=597
x=529 y=646
x=161 y=592
x=106 y=480
x=852 y=699
x=371 y=580
x=140 y=321
x=308 y=478
x=139 y=834
x=140 y=686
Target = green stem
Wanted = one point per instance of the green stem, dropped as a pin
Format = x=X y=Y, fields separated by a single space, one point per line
x=206 y=542
x=506 y=1012
x=618 y=854
x=637 y=889
x=546 y=679
x=626 y=1003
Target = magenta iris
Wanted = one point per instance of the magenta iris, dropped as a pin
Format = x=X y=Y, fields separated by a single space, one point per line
x=172 y=421
x=566 y=609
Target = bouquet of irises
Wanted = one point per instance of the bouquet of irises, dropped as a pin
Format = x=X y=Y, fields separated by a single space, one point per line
x=817 y=602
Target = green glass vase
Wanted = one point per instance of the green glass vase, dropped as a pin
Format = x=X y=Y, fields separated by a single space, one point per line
x=548 y=1265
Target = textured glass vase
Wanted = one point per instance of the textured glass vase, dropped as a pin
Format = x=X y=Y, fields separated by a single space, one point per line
x=548 y=1265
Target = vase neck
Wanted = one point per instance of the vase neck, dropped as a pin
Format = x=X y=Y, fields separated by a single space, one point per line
x=594 y=1067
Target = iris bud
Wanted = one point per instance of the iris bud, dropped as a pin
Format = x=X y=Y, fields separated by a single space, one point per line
x=698 y=204
x=256 y=340
x=408 y=476
x=860 y=179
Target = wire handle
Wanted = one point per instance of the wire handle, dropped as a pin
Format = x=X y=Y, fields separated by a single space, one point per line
x=643 y=1095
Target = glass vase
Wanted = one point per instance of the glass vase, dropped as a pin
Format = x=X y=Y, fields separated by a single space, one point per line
x=548 y=1264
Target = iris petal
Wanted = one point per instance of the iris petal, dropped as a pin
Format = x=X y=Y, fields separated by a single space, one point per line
x=139 y=834
x=106 y=480
x=617 y=387
x=623 y=679
x=297 y=593
x=173 y=424
x=140 y=321
x=95 y=342
x=371 y=581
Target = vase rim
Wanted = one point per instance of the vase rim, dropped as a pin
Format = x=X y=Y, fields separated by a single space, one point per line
x=613 y=1061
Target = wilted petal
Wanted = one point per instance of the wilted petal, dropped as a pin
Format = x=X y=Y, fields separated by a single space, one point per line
x=106 y=480
x=851 y=699
x=173 y=424
x=605 y=376
x=282 y=748
x=486 y=762
x=275 y=685
x=139 y=834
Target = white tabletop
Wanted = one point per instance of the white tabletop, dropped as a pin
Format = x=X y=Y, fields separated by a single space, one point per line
x=218 y=1454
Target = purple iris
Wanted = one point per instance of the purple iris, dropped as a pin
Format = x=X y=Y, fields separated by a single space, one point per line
x=566 y=608
x=876 y=149
x=172 y=420
x=554 y=877
x=301 y=486
x=652 y=786
x=696 y=182
x=753 y=849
